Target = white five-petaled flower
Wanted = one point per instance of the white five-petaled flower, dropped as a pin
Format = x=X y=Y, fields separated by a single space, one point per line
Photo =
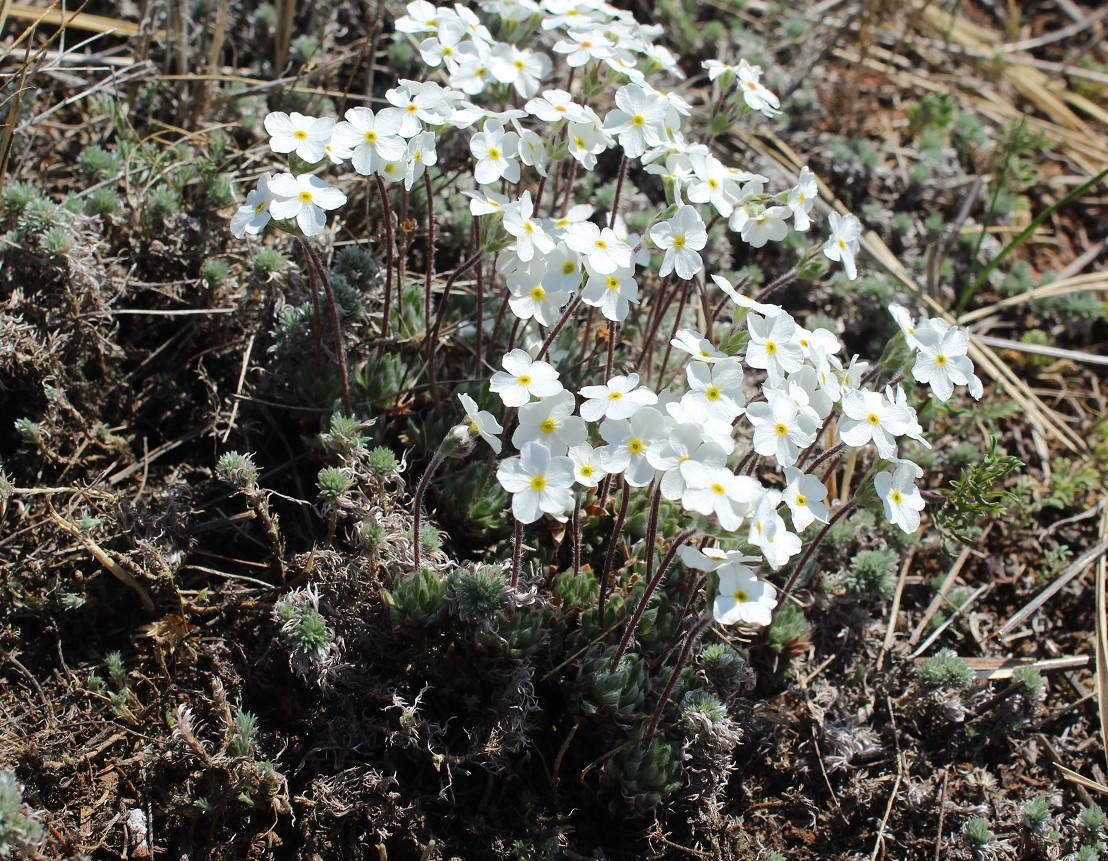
x=496 y=152
x=711 y=489
x=637 y=120
x=373 y=138
x=613 y=293
x=306 y=136
x=524 y=378
x=530 y=236
x=717 y=389
x=587 y=468
x=842 y=244
x=900 y=496
x=802 y=198
x=303 y=198
x=539 y=483
x=781 y=428
x=871 y=417
x=551 y=422
x=620 y=398
x=529 y=297
x=804 y=494
x=253 y=215
x=773 y=345
x=482 y=423
x=755 y=94
x=696 y=345
x=941 y=359
x=742 y=597
x=681 y=238
x=628 y=441
x=603 y=251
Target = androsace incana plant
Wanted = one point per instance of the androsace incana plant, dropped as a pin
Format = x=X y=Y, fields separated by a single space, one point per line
x=535 y=96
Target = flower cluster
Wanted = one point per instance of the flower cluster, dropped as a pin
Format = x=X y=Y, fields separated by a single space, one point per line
x=704 y=444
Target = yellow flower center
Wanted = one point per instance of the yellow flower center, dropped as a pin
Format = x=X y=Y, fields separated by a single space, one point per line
x=371 y=137
x=873 y=419
x=636 y=446
x=615 y=396
x=781 y=429
x=537 y=293
x=613 y=283
x=413 y=107
x=300 y=135
x=712 y=393
x=548 y=426
x=896 y=497
x=740 y=596
x=940 y=360
x=678 y=242
x=473 y=429
x=568 y=268
x=538 y=484
x=494 y=153
x=771 y=348
x=524 y=379
x=801 y=500
x=718 y=489
x=638 y=121
x=305 y=197
x=586 y=471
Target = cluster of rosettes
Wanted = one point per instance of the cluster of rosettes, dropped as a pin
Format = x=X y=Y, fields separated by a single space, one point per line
x=685 y=442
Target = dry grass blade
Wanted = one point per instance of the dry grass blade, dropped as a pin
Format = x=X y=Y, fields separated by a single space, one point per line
x=1043 y=350
x=75 y=21
x=1080 y=780
x=1077 y=567
x=1088 y=282
x=1102 y=637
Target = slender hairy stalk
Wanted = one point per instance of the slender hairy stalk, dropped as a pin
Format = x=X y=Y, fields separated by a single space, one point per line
x=430 y=245
x=433 y=334
x=417 y=514
x=682 y=662
x=613 y=336
x=609 y=560
x=775 y=285
x=652 y=581
x=619 y=192
x=517 y=553
x=576 y=534
x=316 y=271
x=570 y=308
x=479 y=274
x=657 y=312
x=831 y=452
x=390 y=253
x=811 y=548
x=673 y=334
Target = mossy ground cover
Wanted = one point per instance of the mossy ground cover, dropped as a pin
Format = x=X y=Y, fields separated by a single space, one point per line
x=212 y=642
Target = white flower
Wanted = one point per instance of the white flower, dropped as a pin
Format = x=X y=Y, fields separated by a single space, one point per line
x=421 y=155
x=496 y=152
x=716 y=389
x=765 y=224
x=870 y=416
x=620 y=398
x=306 y=136
x=773 y=345
x=613 y=294
x=563 y=270
x=374 y=138
x=587 y=468
x=530 y=237
x=716 y=490
x=743 y=597
x=523 y=68
x=802 y=198
x=743 y=301
x=628 y=441
x=551 y=422
x=603 y=251
x=686 y=442
x=253 y=215
x=804 y=495
x=941 y=360
x=781 y=429
x=539 y=483
x=481 y=422
x=581 y=47
x=530 y=298
x=638 y=119
x=303 y=198
x=486 y=202
x=681 y=237
x=842 y=245
x=756 y=96
x=523 y=378
x=902 y=499
x=697 y=346
x=555 y=105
